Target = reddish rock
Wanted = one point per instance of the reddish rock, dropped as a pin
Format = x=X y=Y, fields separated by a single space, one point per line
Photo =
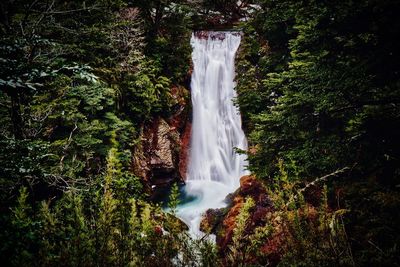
x=156 y=157
x=181 y=122
x=161 y=157
x=184 y=151
x=180 y=98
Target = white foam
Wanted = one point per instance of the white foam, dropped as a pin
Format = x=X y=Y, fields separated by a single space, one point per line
x=214 y=167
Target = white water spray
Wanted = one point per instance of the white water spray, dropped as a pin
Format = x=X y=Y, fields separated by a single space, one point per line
x=214 y=167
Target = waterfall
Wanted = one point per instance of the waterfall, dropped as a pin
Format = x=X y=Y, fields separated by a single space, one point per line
x=214 y=166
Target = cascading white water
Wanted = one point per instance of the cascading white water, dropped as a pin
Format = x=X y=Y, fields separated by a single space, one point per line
x=214 y=167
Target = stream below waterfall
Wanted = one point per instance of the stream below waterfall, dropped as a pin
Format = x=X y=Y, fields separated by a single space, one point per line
x=214 y=166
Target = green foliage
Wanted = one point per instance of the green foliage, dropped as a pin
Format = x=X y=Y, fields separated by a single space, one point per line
x=294 y=232
x=146 y=94
x=71 y=74
x=96 y=228
x=321 y=95
x=168 y=24
x=314 y=235
x=24 y=229
x=174 y=198
x=77 y=79
x=238 y=249
x=313 y=86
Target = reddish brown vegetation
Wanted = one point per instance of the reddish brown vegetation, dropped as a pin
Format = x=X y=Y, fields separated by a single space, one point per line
x=249 y=187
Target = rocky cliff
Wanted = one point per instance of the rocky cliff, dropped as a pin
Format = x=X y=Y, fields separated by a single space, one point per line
x=161 y=156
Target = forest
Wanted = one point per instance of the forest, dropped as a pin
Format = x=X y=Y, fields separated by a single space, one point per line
x=96 y=122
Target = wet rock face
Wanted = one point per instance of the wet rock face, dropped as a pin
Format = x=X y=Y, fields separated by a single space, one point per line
x=181 y=121
x=153 y=155
x=163 y=149
x=162 y=141
x=157 y=162
x=184 y=151
x=161 y=156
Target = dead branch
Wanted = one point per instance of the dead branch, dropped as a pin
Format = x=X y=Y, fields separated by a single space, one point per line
x=316 y=181
x=323 y=178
